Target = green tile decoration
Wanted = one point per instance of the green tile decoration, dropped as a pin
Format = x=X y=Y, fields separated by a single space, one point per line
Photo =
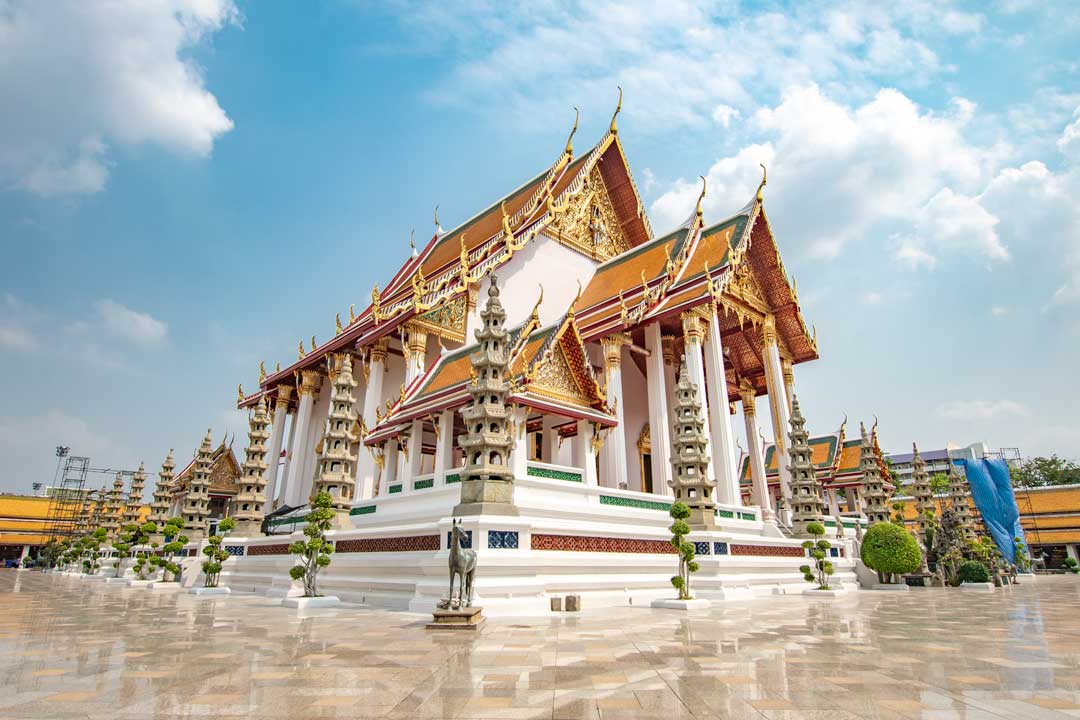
x=451 y=479
x=725 y=514
x=363 y=510
x=423 y=484
x=553 y=474
x=634 y=503
x=394 y=489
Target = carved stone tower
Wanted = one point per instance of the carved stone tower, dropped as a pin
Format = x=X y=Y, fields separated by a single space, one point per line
x=958 y=501
x=807 y=501
x=135 y=497
x=197 y=502
x=921 y=491
x=247 y=507
x=876 y=509
x=690 y=482
x=487 y=482
x=114 y=507
x=334 y=474
x=159 y=507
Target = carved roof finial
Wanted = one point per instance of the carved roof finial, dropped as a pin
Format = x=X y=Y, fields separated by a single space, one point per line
x=338 y=328
x=701 y=197
x=614 y=128
x=438 y=227
x=262 y=371
x=352 y=313
x=300 y=351
x=239 y=393
x=764 y=181
x=536 y=308
x=570 y=140
x=508 y=232
x=412 y=243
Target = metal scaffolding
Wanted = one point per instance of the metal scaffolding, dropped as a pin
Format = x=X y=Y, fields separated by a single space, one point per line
x=66 y=517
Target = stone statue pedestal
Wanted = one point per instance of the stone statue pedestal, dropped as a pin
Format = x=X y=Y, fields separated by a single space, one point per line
x=465 y=619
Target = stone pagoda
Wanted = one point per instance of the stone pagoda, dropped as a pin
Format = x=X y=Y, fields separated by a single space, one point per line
x=114 y=508
x=807 y=496
x=135 y=497
x=159 y=507
x=690 y=482
x=922 y=492
x=876 y=508
x=196 y=507
x=99 y=511
x=487 y=482
x=334 y=473
x=247 y=506
x=958 y=502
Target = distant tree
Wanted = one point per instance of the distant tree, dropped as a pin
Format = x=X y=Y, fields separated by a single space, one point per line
x=939 y=483
x=51 y=552
x=1044 y=471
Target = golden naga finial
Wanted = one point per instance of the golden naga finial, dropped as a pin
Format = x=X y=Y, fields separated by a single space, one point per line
x=389 y=406
x=337 y=324
x=701 y=196
x=300 y=351
x=401 y=393
x=438 y=227
x=375 y=299
x=277 y=367
x=764 y=181
x=419 y=286
x=363 y=428
x=535 y=314
x=352 y=314
x=624 y=311
x=412 y=243
x=508 y=233
x=262 y=371
x=240 y=393
x=570 y=140
x=614 y=128
x=644 y=284
x=576 y=299
x=463 y=263
x=313 y=345
x=378 y=415
x=669 y=264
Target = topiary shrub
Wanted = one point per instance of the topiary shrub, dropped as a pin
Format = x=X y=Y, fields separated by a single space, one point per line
x=687 y=565
x=973 y=571
x=819 y=551
x=314 y=554
x=1071 y=565
x=890 y=550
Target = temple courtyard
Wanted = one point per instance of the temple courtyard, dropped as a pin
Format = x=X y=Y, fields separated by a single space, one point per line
x=73 y=649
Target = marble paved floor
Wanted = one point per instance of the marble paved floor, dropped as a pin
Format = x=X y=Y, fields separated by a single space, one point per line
x=72 y=649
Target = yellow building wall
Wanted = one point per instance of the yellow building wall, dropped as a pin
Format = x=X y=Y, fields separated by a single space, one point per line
x=24 y=519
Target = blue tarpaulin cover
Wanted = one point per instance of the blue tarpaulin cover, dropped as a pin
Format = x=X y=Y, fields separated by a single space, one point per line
x=992 y=491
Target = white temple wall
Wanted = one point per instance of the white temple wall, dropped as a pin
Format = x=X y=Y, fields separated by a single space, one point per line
x=319 y=412
x=544 y=261
x=635 y=415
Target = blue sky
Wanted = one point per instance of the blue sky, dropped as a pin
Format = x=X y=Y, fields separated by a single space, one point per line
x=187 y=188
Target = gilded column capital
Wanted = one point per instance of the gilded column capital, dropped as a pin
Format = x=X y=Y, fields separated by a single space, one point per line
x=693 y=328
x=788 y=372
x=416 y=340
x=748 y=395
x=612 y=346
x=667 y=344
x=378 y=350
x=769 y=329
x=284 y=394
x=310 y=381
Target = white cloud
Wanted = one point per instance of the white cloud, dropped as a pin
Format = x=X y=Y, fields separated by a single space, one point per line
x=722 y=115
x=999 y=310
x=981 y=409
x=24 y=441
x=872 y=298
x=14 y=331
x=1069 y=142
x=123 y=322
x=79 y=77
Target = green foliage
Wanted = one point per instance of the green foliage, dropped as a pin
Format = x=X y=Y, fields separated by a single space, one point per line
x=1043 y=471
x=939 y=483
x=819 y=552
x=1023 y=559
x=1071 y=565
x=175 y=545
x=314 y=553
x=226 y=525
x=679 y=530
x=890 y=550
x=973 y=571
x=215 y=556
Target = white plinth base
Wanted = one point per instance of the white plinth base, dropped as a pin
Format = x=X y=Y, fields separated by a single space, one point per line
x=891 y=587
x=983 y=587
x=310 y=603
x=831 y=592
x=210 y=592
x=671 y=604
x=116 y=580
x=160 y=585
x=139 y=583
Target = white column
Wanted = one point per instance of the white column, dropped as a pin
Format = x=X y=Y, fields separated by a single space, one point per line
x=723 y=442
x=1070 y=551
x=444 y=447
x=290 y=446
x=789 y=382
x=550 y=450
x=759 y=492
x=366 y=467
x=584 y=454
x=416 y=453
x=301 y=448
x=613 y=457
x=834 y=505
x=390 y=466
x=277 y=435
x=519 y=456
x=693 y=335
x=778 y=403
x=659 y=420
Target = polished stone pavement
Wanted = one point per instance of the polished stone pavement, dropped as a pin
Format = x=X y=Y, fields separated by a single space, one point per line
x=73 y=649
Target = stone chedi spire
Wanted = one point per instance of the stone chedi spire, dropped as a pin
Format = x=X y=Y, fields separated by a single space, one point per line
x=135 y=497
x=99 y=513
x=876 y=508
x=335 y=470
x=159 y=506
x=921 y=491
x=958 y=501
x=487 y=482
x=114 y=507
x=196 y=506
x=690 y=482
x=807 y=501
x=247 y=506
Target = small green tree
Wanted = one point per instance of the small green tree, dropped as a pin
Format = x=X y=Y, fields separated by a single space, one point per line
x=144 y=549
x=939 y=483
x=1023 y=560
x=822 y=568
x=89 y=550
x=174 y=544
x=314 y=554
x=51 y=552
x=1071 y=565
x=215 y=554
x=890 y=550
x=679 y=530
x=973 y=571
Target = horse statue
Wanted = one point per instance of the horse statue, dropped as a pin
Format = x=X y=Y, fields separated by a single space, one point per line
x=463 y=566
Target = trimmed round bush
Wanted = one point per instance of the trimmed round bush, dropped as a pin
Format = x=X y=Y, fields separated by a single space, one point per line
x=973 y=571
x=890 y=549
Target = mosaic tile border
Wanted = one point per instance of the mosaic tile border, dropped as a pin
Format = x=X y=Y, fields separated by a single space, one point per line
x=276 y=549
x=364 y=510
x=587 y=543
x=768 y=550
x=423 y=484
x=553 y=474
x=503 y=539
x=619 y=501
x=408 y=543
